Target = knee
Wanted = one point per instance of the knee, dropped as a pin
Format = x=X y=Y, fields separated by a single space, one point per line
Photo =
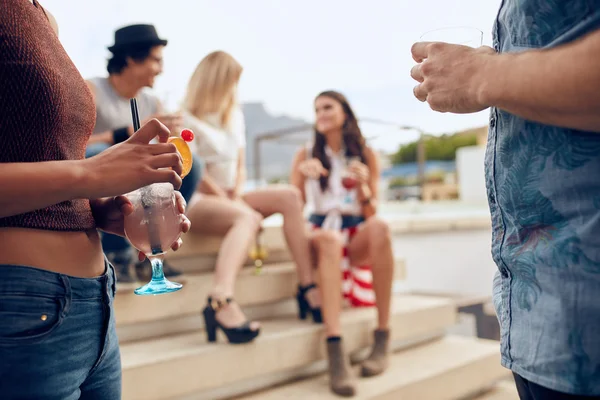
x=290 y=198
x=379 y=230
x=327 y=240
x=251 y=218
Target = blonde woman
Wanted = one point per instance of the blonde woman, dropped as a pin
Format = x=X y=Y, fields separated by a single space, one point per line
x=220 y=207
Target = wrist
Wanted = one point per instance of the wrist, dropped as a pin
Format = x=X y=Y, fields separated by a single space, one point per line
x=83 y=179
x=491 y=82
x=364 y=192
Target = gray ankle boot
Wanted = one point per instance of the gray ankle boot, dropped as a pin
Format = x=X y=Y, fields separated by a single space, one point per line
x=340 y=380
x=377 y=362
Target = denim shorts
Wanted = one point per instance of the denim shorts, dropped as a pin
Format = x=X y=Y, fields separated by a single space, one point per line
x=57 y=336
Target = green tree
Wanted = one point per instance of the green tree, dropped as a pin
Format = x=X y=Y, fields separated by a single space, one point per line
x=439 y=148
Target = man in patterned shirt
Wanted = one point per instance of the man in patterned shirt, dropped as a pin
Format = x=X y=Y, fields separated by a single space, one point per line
x=542 y=170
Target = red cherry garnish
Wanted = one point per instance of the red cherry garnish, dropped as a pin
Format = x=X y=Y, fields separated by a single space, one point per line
x=187 y=135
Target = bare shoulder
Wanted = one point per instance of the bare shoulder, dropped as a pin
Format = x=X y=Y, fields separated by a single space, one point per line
x=52 y=21
x=299 y=156
x=371 y=156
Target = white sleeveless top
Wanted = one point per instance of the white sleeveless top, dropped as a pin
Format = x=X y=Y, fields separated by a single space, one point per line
x=218 y=146
x=336 y=198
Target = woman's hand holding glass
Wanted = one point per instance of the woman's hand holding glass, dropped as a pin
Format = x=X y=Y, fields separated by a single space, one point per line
x=312 y=168
x=359 y=171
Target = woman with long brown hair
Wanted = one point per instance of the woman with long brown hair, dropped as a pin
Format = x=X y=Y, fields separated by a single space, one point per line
x=339 y=175
x=221 y=207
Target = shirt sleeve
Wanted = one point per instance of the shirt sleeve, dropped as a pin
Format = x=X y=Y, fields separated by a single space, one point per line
x=148 y=107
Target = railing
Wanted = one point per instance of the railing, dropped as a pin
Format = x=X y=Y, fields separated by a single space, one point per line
x=279 y=133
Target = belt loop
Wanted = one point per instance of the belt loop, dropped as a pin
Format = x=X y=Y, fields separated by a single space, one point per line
x=106 y=283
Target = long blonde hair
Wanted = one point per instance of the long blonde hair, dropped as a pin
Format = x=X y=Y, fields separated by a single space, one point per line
x=212 y=87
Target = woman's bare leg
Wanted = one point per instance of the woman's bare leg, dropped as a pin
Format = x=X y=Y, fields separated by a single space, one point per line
x=287 y=200
x=328 y=249
x=373 y=244
x=238 y=224
x=374 y=241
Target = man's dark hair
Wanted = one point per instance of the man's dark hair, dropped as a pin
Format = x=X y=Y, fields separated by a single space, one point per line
x=118 y=62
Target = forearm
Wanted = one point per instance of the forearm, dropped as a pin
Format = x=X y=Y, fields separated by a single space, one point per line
x=240 y=181
x=556 y=87
x=31 y=186
x=367 y=201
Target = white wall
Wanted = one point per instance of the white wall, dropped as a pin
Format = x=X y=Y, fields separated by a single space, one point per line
x=471 y=177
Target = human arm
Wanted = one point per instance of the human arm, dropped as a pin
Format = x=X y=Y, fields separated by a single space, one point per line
x=109 y=215
x=209 y=186
x=38 y=185
x=173 y=122
x=368 y=177
x=240 y=176
x=557 y=86
x=297 y=178
x=31 y=186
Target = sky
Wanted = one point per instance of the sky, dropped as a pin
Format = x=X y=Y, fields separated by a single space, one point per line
x=290 y=49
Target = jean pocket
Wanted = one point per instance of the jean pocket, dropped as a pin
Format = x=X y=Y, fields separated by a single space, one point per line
x=28 y=318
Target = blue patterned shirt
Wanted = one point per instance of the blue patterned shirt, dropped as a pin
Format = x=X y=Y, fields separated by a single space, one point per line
x=543 y=186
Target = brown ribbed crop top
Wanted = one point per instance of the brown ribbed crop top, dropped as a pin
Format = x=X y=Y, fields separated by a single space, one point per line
x=46 y=109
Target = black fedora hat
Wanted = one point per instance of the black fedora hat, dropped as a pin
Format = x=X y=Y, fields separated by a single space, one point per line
x=133 y=35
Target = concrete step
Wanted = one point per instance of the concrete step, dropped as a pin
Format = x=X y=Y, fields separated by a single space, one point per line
x=186 y=364
x=276 y=282
x=505 y=390
x=446 y=369
x=198 y=252
x=195 y=244
x=196 y=264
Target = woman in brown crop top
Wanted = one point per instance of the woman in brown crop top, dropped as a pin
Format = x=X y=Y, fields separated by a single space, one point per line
x=57 y=331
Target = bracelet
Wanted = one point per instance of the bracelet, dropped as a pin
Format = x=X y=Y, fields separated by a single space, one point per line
x=366 y=202
x=120 y=135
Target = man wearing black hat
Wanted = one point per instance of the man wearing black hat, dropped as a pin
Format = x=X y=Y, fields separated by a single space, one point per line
x=135 y=63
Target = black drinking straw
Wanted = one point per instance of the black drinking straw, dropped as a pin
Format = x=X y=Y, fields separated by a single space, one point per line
x=135 y=115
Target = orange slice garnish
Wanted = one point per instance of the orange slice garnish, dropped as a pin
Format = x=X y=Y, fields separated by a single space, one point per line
x=185 y=152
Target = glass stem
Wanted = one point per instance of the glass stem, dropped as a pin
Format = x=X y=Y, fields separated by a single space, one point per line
x=157 y=268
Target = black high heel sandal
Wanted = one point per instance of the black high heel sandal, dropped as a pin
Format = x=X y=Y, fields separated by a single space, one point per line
x=304 y=306
x=236 y=335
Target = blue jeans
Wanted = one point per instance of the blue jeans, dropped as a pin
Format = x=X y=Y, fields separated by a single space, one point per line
x=114 y=243
x=57 y=336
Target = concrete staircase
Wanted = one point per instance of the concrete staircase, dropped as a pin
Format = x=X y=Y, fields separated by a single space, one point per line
x=165 y=354
x=444 y=369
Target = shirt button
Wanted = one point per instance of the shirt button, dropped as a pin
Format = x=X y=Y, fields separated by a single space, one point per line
x=492 y=122
x=492 y=198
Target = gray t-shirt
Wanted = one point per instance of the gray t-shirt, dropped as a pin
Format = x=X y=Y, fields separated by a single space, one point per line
x=114 y=111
